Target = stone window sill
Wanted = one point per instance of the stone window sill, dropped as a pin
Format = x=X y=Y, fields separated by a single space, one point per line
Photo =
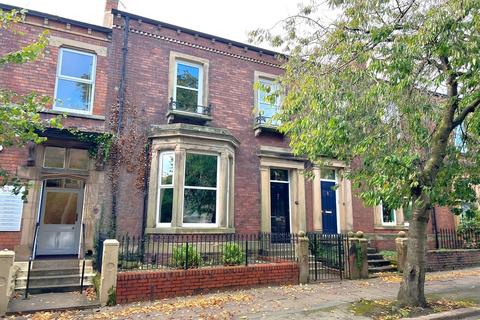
x=396 y=227
x=262 y=128
x=182 y=230
x=73 y=114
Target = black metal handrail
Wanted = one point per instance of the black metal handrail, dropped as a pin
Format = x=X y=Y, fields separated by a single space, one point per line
x=267 y=121
x=194 y=109
x=82 y=252
x=30 y=260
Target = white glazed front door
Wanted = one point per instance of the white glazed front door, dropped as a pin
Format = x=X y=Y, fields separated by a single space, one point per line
x=60 y=217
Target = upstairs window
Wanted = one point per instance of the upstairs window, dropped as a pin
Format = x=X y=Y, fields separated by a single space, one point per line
x=266 y=107
x=188 y=91
x=75 y=81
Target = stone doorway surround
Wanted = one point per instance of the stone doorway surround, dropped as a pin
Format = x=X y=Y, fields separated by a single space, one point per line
x=282 y=158
x=344 y=197
x=92 y=205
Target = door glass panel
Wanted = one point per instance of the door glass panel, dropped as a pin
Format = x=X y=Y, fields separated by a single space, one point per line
x=78 y=159
x=55 y=183
x=279 y=175
x=327 y=174
x=60 y=207
x=54 y=157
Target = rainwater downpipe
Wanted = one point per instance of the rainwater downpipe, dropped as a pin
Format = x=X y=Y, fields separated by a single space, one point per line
x=121 y=104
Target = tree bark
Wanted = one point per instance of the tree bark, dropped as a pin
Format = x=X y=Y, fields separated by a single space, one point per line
x=412 y=291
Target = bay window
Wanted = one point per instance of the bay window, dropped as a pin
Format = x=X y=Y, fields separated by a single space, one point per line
x=191 y=180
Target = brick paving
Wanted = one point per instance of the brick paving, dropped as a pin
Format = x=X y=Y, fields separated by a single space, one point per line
x=313 y=301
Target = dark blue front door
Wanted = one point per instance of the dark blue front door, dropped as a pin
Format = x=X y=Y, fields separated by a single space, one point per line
x=329 y=207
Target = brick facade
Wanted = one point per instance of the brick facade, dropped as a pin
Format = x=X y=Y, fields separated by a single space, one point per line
x=231 y=77
x=40 y=76
x=438 y=260
x=142 y=286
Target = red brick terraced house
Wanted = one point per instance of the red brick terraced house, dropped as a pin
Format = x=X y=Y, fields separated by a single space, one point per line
x=193 y=132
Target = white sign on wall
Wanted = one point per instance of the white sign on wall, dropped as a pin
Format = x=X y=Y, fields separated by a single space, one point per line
x=11 y=208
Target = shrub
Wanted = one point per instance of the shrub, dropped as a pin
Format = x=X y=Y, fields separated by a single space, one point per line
x=179 y=257
x=233 y=254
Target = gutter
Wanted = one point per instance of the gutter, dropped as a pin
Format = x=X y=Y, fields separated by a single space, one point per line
x=51 y=17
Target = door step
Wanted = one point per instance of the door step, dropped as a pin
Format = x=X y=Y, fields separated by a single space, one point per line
x=376 y=262
x=54 y=275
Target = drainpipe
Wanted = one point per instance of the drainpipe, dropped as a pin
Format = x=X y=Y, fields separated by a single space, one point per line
x=146 y=183
x=121 y=104
x=121 y=98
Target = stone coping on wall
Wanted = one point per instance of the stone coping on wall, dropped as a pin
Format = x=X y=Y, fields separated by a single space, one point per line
x=158 y=284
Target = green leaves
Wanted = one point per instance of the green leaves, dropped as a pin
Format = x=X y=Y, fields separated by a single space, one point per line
x=20 y=120
x=371 y=90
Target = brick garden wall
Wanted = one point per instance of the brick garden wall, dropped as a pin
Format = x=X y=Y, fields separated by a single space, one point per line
x=141 y=285
x=438 y=260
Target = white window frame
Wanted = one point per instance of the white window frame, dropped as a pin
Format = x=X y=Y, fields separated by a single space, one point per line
x=272 y=84
x=59 y=76
x=201 y=225
x=200 y=82
x=394 y=222
x=161 y=186
x=289 y=173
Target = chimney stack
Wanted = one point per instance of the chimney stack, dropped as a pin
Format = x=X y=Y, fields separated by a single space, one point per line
x=108 y=17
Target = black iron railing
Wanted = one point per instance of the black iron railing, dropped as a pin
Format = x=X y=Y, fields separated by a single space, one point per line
x=83 y=254
x=30 y=260
x=453 y=239
x=194 y=109
x=328 y=256
x=174 y=251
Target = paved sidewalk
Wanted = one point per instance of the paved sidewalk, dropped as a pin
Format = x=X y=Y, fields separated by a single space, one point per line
x=313 y=301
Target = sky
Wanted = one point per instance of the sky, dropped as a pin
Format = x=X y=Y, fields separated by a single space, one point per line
x=224 y=18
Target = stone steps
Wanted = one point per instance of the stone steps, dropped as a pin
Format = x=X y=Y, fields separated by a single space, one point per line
x=376 y=262
x=54 y=275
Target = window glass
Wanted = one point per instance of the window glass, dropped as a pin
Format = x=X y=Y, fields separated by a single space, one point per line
x=55 y=183
x=167 y=163
x=73 y=95
x=327 y=174
x=78 y=159
x=76 y=65
x=200 y=206
x=266 y=108
x=279 y=174
x=165 y=191
x=200 y=193
x=408 y=212
x=200 y=170
x=187 y=99
x=73 y=184
x=187 y=91
x=388 y=215
x=74 y=89
x=54 y=157
x=166 y=205
x=187 y=76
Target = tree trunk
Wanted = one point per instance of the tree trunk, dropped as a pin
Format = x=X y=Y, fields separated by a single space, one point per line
x=412 y=291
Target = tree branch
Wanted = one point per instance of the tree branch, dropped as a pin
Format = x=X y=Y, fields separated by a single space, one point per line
x=469 y=109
